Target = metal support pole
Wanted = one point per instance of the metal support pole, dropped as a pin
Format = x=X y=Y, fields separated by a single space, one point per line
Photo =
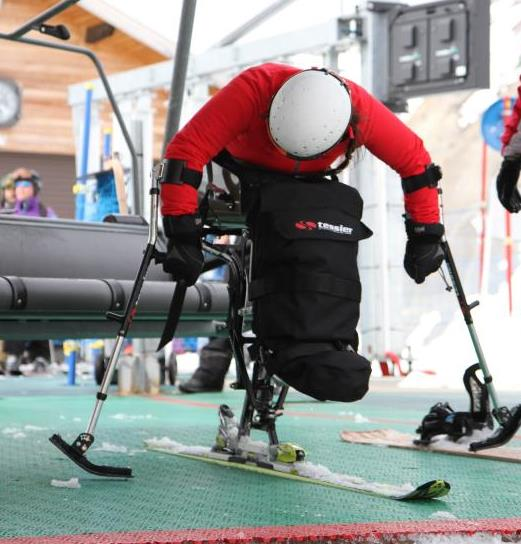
x=182 y=53
x=136 y=130
x=252 y=23
x=370 y=178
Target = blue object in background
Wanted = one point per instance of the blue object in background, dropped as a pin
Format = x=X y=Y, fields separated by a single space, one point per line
x=107 y=144
x=80 y=194
x=190 y=343
x=71 y=351
x=492 y=123
x=101 y=198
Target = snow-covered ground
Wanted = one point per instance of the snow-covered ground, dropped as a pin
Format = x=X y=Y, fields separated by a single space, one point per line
x=441 y=361
x=456 y=539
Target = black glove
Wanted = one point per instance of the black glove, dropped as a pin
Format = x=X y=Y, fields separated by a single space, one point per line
x=423 y=252
x=506 y=183
x=184 y=259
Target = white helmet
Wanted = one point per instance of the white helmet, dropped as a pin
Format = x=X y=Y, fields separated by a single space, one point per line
x=309 y=114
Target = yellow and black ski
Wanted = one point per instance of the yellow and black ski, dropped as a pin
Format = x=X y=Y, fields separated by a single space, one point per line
x=301 y=472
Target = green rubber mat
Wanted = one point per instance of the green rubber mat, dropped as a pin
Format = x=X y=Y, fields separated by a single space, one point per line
x=170 y=493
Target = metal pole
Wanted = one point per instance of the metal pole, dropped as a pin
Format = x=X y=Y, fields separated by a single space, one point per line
x=136 y=130
x=252 y=23
x=371 y=181
x=177 y=89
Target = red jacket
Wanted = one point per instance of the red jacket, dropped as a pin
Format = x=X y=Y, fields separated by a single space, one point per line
x=513 y=121
x=235 y=119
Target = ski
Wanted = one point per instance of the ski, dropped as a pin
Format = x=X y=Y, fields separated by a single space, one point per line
x=440 y=444
x=302 y=471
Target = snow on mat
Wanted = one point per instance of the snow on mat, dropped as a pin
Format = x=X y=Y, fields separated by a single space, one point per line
x=304 y=468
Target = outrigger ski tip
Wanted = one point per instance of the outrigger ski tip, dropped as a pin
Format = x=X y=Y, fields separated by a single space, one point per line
x=78 y=457
x=503 y=434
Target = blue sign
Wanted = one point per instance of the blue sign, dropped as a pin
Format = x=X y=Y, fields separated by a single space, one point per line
x=492 y=123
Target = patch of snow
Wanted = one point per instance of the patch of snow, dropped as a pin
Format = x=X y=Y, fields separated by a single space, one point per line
x=306 y=469
x=129 y=417
x=443 y=514
x=456 y=539
x=136 y=451
x=359 y=418
x=176 y=447
x=246 y=443
x=34 y=428
x=14 y=432
x=73 y=483
x=444 y=441
x=112 y=448
x=322 y=473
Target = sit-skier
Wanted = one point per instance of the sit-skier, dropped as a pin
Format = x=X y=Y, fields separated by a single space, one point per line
x=284 y=128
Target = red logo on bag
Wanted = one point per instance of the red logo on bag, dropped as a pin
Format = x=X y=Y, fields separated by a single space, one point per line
x=306 y=225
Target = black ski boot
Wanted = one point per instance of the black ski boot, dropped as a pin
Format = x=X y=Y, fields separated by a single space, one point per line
x=442 y=419
x=214 y=362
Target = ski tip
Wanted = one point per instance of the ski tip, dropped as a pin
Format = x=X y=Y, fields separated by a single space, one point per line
x=427 y=491
x=77 y=457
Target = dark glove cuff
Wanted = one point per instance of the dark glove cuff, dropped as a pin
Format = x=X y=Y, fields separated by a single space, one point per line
x=424 y=231
x=183 y=228
x=512 y=159
x=429 y=178
x=511 y=166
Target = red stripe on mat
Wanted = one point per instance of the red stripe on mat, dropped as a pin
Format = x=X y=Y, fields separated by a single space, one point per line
x=301 y=533
x=183 y=402
x=202 y=404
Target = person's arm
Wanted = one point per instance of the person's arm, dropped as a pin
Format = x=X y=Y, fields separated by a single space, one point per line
x=222 y=119
x=508 y=176
x=512 y=126
x=384 y=135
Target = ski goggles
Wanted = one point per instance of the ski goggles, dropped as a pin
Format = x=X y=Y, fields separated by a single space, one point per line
x=23 y=183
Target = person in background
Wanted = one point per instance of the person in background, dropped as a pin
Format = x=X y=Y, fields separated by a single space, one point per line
x=7 y=194
x=214 y=361
x=27 y=187
x=27 y=191
x=508 y=176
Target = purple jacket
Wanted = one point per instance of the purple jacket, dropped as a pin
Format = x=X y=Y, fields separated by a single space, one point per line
x=32 y=207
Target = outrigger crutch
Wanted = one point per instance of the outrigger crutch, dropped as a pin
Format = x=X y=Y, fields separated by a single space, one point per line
x=509 y=420
x=76 y=451
x=442 y=419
